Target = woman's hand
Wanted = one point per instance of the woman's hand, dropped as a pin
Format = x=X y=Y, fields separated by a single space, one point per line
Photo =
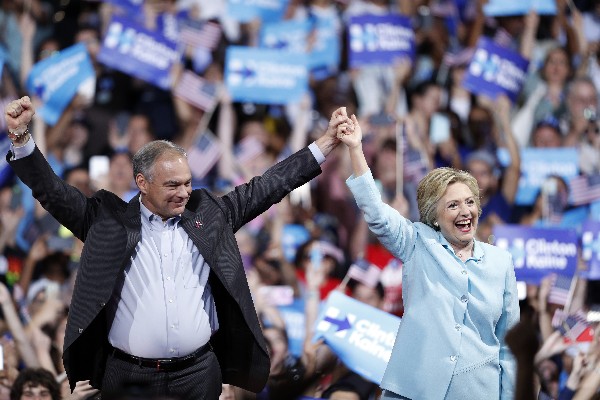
x=350 y=133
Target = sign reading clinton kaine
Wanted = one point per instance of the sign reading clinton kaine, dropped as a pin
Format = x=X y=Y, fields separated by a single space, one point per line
x=380 y=39
x=138 y=52
x=56 y=79
x=265 y=76
x=265 y=10
x=538 y=252
x=362 y=336
x=494 y=70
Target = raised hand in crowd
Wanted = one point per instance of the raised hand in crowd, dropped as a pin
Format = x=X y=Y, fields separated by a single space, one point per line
x=83 y=390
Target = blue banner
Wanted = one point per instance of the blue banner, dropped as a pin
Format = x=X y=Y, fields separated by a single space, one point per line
x=362 y=336
x=265 y=10
x=138 y=52
x=494 y=70
x=499 y=8
x=55 y=80
x=380 y=39
x=538 y=252
x=265 y=76
x=590 y=248
x=131 y=7
x=295 y=325
x=538 y=164
x=293 y=36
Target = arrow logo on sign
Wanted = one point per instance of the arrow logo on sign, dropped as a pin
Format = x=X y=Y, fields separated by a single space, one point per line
x=342 y=324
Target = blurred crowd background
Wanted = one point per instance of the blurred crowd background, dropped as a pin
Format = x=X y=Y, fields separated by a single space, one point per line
x=303 y=248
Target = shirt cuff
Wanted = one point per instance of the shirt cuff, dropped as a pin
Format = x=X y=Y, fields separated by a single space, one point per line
x=24 y=150
x=316 y=151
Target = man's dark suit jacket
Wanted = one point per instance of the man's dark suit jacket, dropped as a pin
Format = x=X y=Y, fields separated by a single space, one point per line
x=111 y=229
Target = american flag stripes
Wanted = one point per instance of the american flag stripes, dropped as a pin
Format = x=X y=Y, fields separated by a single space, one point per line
x=204 y=155
x=248 y=149
x=585 y=189
x=364 y=272
x=559 y=292
x=196 y=91
x=205 y=34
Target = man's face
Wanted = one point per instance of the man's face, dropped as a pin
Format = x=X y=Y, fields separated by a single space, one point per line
x=168 y=189
x=35 y=392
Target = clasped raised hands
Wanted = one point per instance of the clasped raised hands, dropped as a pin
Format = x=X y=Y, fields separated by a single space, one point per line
x=349 y=132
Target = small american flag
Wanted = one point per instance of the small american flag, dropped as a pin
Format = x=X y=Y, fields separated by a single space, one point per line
x=196 y=91
x=585 y=189
x=559 y=292
x=200 y=34
x=204 y=155
x=248 y=149
x=364 y=272
x=462 y=57
x=575 y=328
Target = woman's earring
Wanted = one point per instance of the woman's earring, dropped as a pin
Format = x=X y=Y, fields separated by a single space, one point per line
x=435 y=224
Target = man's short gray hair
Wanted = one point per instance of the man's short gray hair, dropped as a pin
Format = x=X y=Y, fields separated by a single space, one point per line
x=144 y=159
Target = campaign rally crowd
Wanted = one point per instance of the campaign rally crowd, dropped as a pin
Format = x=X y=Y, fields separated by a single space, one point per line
x=507 y=90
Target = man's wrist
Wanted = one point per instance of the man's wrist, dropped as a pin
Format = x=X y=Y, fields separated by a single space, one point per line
x=19 y=140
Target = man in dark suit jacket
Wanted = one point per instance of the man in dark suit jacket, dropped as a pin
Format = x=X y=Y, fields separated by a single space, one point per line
x=131 y=317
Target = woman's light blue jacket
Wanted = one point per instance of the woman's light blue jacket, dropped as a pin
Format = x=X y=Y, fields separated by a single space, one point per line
x=456 y=314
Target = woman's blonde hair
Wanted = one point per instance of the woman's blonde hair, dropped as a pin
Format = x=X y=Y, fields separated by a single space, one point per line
x=433 y=186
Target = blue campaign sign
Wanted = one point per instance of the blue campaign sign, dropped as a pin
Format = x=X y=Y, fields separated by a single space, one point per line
x=265 y=10
x=295 y=325
x=136 y=51
x=380 y=39
x=132 y=7
x=266 y=76
x=288 y=35
x=293 y=36
x=538 y=252
x=590 y=248
x=499 y=8
x=55 y=80
x=362 y=336
x=326 y=48
x=538 y=164
x=494 y=70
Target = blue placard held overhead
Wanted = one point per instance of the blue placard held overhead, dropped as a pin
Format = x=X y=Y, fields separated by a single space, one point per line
x=265 y=10
x=287 y=35
x=380 y=39
x=131 y=7
x=538 y=164
x=538 y=252
x=136 y=51
x=499 y=8
x=265 y=76
x=494 y=70
x=55 y=80
x=360 y=335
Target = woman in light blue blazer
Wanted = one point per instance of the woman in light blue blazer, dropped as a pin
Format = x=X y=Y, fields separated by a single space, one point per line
x=459 y=294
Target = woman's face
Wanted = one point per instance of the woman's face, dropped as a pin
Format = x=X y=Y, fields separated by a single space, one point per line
x=556 y=68
x=457 y=214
